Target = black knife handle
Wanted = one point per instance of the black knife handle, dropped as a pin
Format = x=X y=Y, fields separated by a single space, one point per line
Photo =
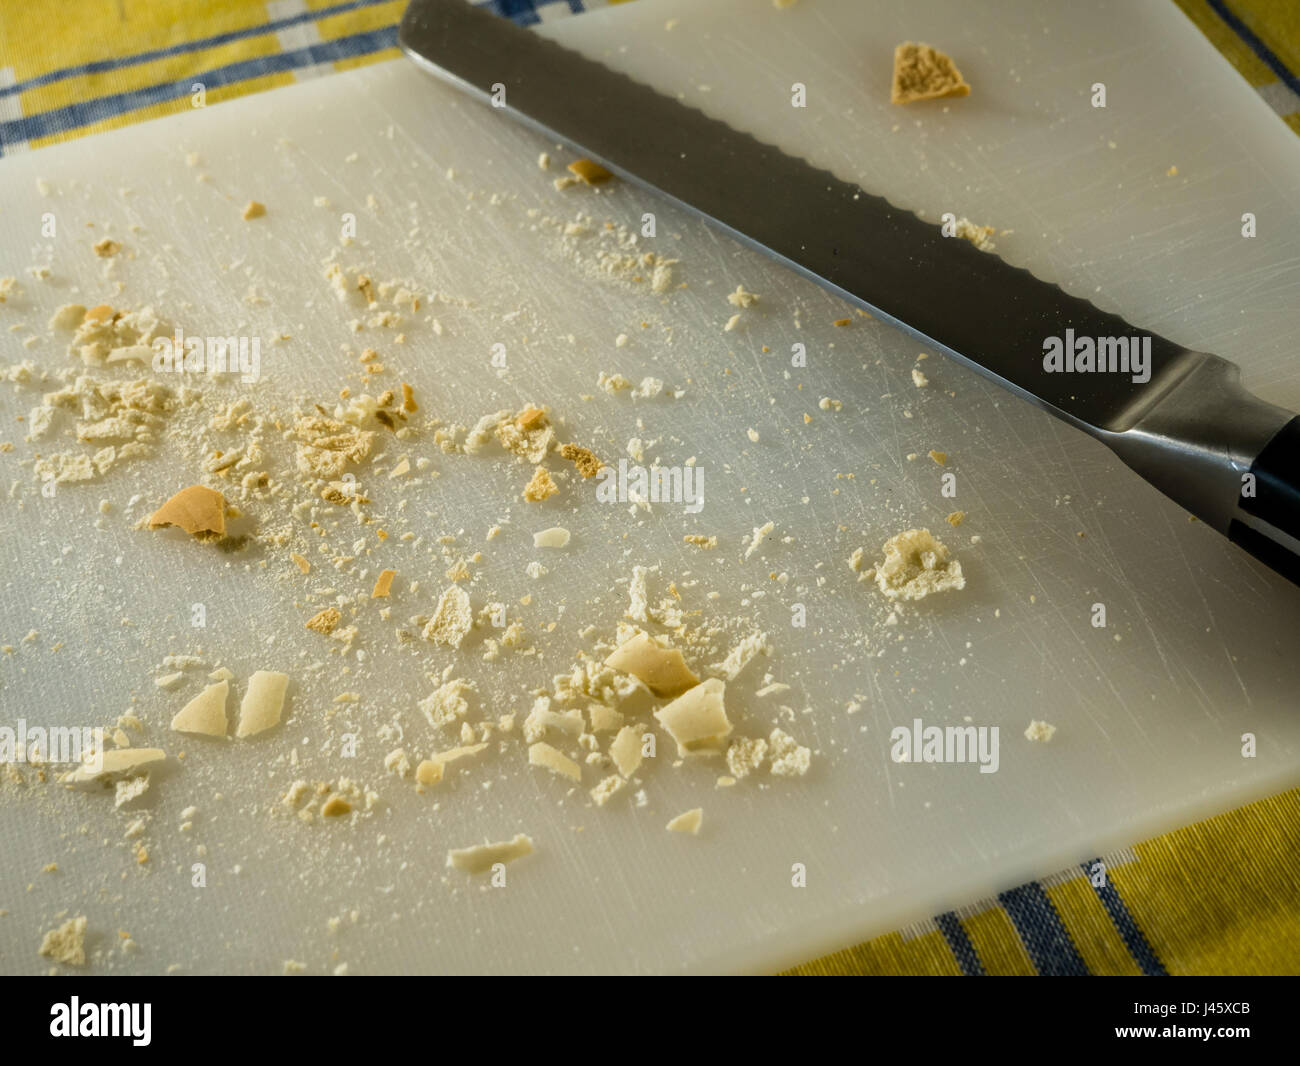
x=1269 y=526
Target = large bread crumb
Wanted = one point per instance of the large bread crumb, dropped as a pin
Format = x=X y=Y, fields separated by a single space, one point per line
x=789 y=758
x=67 y=943
x=263 y=703
x=205 y=714
x=541 y=486
x=663 y=669
x=923 y=73
x=451 y=619
x=915 y=566
x=447 y=703
x=697 y=720
x=746 y=755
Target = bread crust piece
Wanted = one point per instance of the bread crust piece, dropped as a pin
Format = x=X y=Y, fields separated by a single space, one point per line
x=924 y=73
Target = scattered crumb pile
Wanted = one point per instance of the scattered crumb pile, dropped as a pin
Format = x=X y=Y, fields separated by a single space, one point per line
x=310 y=491
x=923 y=73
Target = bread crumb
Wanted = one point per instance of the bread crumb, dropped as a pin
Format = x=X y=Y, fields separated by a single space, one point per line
x=740 y=655
x=702 y=542
x=923 y=73
x=688 y=822
x=541 y=486
x=67 y=943
x=590 y=172
x=956 y=518
x=130 y=790
x=604 y=719
x=335 y=807
x=625 y=749
x=452 y=618
x=662 y=669
x=447 y=703
x=602 y=792
x=555 y=537
x=742 y=298
x=612 y=383
x=397 y=762
x=637 y=606
x=697 y=719
x=746 y=756
x=1040 y=731
x=915 y=566
x=324 y=621
x=197 y=509
x=205 y=714
x=789 y=759
x=483 y=857
x=542 y=754
x=304 y=567
x=383 y=585
x=939 y=457
x=761 y=533
x=432 y=769
x=980 y=236
x=113 y=764
x=263 y=703
x=253 y=209
x=919 y=379
x=67 y=317
x=586 y=462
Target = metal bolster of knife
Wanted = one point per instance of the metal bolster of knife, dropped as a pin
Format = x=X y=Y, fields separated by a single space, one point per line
x=1269 y=523
x=1224 y=454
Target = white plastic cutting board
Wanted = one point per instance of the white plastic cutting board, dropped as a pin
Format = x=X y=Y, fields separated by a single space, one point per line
x=1200 y=642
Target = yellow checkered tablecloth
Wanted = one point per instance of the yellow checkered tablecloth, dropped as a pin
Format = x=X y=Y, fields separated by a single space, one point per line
x=1219 y=897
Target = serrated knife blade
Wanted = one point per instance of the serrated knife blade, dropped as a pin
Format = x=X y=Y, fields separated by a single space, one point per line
x=1179 y=418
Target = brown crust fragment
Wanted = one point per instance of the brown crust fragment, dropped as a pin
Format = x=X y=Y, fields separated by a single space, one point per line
x=583 y=458
x=324 y=622
x=924 y=73
x=197 y=509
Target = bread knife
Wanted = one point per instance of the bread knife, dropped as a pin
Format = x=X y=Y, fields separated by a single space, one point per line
x=1180 y=418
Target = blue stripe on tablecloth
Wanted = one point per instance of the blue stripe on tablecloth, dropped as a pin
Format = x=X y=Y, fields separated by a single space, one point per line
x=524 y=12
x=960 y=945
x=72 y=117
x=1042 y=932
x=1220 y=8
x=1137 y=945
x=102 y=66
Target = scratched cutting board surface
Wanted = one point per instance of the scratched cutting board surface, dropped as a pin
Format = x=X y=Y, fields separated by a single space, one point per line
x=1199 y=643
